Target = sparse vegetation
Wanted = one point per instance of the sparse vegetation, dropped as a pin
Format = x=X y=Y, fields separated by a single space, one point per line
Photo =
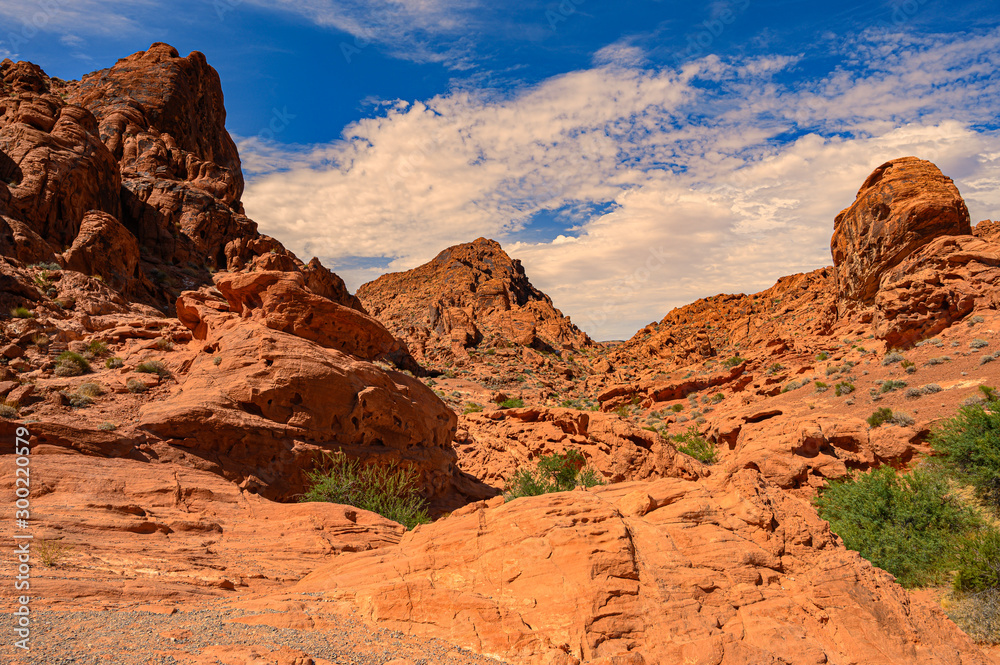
x=107 y=427
x=164 y=344
x=153 y=367
x=218 y=361
x=136 y=386
x=70 y=363
x=114 y=363
x=892 y=357
x=51 y=552
x=22 y=313
x=733 y=362
x=978 y=343
x=8 y=410
x=472 y=407
x=694 y=444
x=98 y=348
x=891 y=385
x=879 y=417
x=843 y=388
x=822 y=355
x=512 y=403
x=392 y=493
x=821 y=387
x=90 y=389
x=554 y=473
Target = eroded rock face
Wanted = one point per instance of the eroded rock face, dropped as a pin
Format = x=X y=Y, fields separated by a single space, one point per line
x=276 y=391
x=495 y=444
x=471 y=295
x=723 y=570
x=903 y=205
x=148 y=531
x=104 y=247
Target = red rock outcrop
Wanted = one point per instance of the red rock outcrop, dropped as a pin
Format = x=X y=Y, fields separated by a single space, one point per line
x=728 y=569
x=493 y=445
x=137 y=530
x=902 y=205
x=470 y=296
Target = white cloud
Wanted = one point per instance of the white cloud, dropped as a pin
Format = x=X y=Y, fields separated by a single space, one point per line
x=697 y=190
x=26 y=19
x=417 y=30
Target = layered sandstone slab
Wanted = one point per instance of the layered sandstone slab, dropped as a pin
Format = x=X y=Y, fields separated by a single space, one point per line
x=727 y=569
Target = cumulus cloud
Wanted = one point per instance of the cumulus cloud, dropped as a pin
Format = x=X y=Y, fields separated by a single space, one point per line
x=98 y=17
x=719 y=176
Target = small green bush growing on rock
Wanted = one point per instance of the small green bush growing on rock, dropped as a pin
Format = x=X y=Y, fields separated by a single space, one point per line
x=153 y=367
x=554 y=473
x=843 y=388
x=697 y=446
x=879 y=417
x=392 y=493
x=513 y=403
x=22 y=313
x=733 y=362
x=472 y=407
x=70 y=363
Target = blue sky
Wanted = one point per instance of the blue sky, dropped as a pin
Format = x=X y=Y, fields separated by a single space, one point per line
x=634 y=155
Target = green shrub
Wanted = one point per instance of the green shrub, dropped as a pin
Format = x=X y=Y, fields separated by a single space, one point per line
x=822 y=355
x=979 y=562
x=218 y=361
x=70 y=363
x=978 y=343
x=906 y=525
x=136 y=386
x=821 y=387
x=98 y=348
x=472 y=407
x=891 y=385
x=843 y=388
x=164 y=344
x=513 y=403
x=153 y=367
x=893 y=357
x=114 y=363
x=22 y=313
x=694 y=444
x=79 y=400
x=879 y=417
x=392 y=493
x=733 y=362
x=90 y=389
x=968 y=445
x=554 y=473
x=677 y=408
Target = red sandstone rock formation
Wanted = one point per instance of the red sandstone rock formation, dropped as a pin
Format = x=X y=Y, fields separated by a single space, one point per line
x=728 y=569
x=902 y=205
x=469 y=296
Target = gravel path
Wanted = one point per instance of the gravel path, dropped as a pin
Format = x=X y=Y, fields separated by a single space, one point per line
x=136 y=637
